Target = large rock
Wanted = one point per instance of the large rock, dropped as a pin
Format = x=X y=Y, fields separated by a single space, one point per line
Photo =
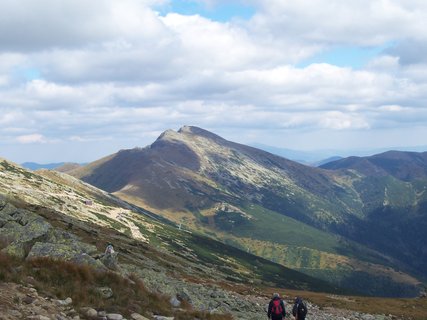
x=54 y=250
x=20 y=229
x=110 y=260
x=63 y=237
x=60 y=251
x=24 y=226
x=84 y=258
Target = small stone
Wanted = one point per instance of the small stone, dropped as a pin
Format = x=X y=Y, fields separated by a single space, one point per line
x=33 y=291
x=137 y=316
x=175 y=302
x=65 y=302
x=90 y=313
x=43 y=317
x=102 y=313
x=71 y=312
x=105 y=292
x=114 y=316
x=28 y=300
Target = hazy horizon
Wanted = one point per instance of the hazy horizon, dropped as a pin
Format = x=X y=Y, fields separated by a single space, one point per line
x=307 y=155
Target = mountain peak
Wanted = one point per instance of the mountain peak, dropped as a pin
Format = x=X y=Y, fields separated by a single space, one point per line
x=200 y=132
x=188 y=131
x=168 y=135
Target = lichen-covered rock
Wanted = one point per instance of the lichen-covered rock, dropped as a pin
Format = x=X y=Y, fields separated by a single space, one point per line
x=110 y=260
x=6 y=208
x=15 y=249
x=84 y=258
x=23 y=226
x=20 y=229
x=54 y=250
x=63 y=237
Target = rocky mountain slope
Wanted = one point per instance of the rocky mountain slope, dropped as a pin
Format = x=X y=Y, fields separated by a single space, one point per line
x=50 y=214
x=53 y=231
x=310 y=219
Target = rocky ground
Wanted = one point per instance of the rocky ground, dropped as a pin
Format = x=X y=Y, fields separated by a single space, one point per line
x=23 y=302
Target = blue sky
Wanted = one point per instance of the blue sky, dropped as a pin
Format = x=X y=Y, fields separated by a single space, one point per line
x=79 y=81
x=223 y=12
x=346 y=56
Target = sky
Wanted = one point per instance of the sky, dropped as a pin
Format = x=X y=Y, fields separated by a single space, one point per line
x=81 y=79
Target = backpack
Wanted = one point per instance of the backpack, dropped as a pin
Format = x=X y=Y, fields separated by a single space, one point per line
x=277 y=307
x=300 y=308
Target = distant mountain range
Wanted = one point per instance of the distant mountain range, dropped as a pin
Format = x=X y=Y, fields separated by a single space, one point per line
x=346 y=223
x=36 y=166
x=319 y=157
x=60 y=166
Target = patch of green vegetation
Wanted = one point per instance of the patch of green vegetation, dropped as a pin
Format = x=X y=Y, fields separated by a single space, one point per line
x=365 y=283
x=271 y=226
x=378 y=191
x=113 y=223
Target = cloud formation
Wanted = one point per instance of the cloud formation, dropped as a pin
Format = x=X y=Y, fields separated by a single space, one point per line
x=79 y=72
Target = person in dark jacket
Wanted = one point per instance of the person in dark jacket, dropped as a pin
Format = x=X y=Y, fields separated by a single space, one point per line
x=276 y=308
x=299 y=311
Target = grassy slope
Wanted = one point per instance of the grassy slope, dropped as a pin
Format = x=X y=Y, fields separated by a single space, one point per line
x=192 y=249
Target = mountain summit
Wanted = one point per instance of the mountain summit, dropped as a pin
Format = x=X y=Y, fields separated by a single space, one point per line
x=344 y=226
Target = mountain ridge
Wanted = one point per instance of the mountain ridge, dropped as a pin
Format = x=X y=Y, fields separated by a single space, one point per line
x=186 y=175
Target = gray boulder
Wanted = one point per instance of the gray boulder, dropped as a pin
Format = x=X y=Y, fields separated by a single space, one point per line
x=110 y=260
x=54 y=250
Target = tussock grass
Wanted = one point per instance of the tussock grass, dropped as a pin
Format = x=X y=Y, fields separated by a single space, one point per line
x=62 y=279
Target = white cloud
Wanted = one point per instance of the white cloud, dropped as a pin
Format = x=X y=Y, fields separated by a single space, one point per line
x=31 y=138
x=384 y=63
x=82 y=72
x=364 y=22
x=392 y=108
x=48 y=24
x=339 y=121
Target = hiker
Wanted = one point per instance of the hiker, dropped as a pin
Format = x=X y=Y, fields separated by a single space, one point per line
x=109 y=250
x=276 y=308
x=299 y=311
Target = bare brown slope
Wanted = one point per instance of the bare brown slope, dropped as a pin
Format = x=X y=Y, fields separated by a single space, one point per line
x=193 y=169
x=163 y=174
